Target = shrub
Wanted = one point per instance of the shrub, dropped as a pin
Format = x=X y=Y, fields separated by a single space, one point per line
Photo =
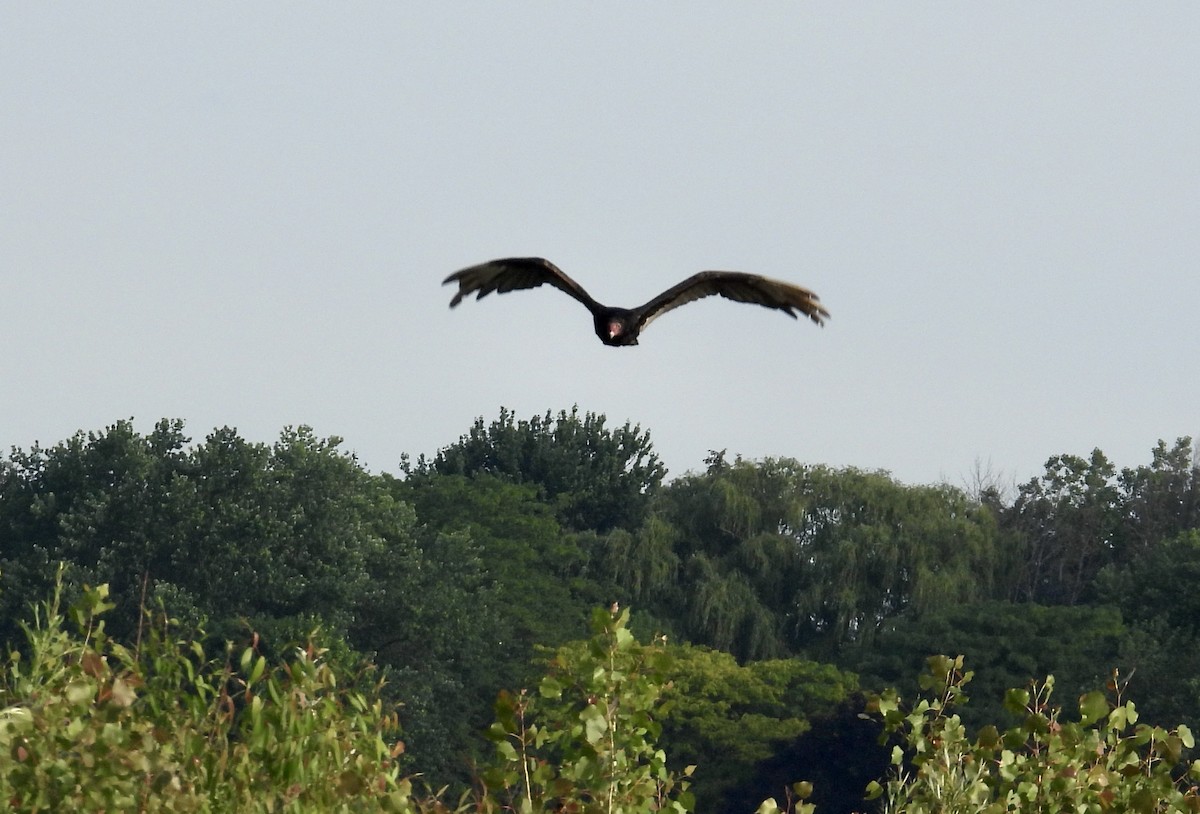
x=1103 y=762
x=87 y=724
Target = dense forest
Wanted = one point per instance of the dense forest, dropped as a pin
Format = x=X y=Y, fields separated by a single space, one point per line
x=786 y=598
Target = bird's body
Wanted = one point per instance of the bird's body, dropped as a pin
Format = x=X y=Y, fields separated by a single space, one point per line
x=621 y=326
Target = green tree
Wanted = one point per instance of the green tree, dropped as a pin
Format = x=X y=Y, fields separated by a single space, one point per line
x=1069 y=523
x=505 y=578
x=778 y=557
x=276 y=539
x=530 y=567
x=643 y=564
x=1081 y=516
x=594 y=477
x=1156 y=593
x=111 y=504
x=283 y=535
x=880 y=549
x=1161 y=500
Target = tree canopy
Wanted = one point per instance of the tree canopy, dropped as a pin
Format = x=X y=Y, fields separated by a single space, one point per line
x=803 y=581
x=594 y=477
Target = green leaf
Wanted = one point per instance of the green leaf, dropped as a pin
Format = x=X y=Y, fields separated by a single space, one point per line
x=989 y=737
x=1093 y=707
x=259 y=667
x=1016 y=700
x=1185 y=735
x=594 y=724
x=550 y=687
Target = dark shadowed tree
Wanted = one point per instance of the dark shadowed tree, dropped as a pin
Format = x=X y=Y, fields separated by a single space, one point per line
x=1157 y=595
x=727 y=718
x=1010 y=643
x=1162 y=499
x=839 y=755
x=1068 y=523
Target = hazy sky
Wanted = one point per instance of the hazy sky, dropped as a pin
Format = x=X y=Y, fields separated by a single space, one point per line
x=241 y=214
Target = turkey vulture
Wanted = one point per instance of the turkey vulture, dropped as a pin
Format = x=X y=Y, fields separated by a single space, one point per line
x=621 y=326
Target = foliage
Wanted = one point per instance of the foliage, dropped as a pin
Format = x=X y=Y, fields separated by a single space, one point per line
x=727 y=718
x=642 y=562
x=525 y=557
x=1081 y=516
x=776 y=557
x=516 y=586
x=1105 y=761
x=1069 y=522
x=594 y=477
x=836 y=757
x=1161 y=500
x=586 y=741
x=1009 y=644
x=1158 y=584
x=451 y=577
x=226 y=529
x=90 y=725
x=279 y=538
x=1156 y=593
x=430 y=622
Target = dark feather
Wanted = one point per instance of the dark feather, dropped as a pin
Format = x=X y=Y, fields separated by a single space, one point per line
x=514 y=274
x=739 y=287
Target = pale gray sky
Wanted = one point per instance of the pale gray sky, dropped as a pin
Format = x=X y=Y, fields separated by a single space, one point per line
x=241 y=213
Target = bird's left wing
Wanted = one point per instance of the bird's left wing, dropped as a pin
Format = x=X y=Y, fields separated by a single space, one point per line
x=739 y=287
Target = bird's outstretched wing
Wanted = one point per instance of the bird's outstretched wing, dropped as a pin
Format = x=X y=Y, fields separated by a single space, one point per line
x=739 y=287
x=513 y=274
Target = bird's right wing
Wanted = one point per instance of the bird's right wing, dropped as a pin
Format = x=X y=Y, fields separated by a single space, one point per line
x=514 y=274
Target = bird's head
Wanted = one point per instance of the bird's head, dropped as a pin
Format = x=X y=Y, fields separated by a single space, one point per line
x=617 y=330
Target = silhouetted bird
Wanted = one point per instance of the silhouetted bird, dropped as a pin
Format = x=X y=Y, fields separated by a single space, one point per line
x=621 y=326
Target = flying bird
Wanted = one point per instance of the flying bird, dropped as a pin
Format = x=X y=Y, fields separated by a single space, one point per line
x=621 y=326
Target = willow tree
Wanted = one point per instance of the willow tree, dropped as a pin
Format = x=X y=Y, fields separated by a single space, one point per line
x=874 y=549
x=777 y=556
